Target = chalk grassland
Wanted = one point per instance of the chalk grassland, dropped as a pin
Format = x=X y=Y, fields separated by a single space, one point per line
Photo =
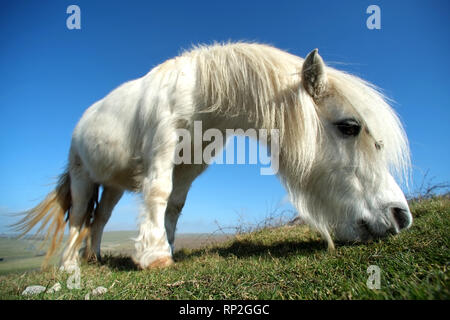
x=27 y=254
x=288 y=262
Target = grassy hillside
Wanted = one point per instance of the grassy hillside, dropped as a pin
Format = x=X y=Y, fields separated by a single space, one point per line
x=289 y=262
x=19 y=255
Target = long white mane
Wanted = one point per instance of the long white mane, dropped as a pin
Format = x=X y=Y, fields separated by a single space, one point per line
x=264 y=83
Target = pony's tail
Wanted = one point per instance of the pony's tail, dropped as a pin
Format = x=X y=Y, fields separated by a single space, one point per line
x=53 y=209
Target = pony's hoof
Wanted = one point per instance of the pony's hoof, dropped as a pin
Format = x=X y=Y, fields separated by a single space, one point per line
x=163 y=262
x=91 y=257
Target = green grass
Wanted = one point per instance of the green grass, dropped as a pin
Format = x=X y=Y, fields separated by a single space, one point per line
x=279 y=263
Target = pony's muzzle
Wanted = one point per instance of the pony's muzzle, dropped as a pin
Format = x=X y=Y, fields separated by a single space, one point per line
x=397 y=218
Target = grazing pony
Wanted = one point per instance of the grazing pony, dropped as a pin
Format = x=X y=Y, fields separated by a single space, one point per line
x=340 y=144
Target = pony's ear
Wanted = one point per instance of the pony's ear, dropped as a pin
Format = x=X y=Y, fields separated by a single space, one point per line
x=314 y=77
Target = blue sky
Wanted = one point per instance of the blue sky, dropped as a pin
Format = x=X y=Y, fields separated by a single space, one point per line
x=50 y=75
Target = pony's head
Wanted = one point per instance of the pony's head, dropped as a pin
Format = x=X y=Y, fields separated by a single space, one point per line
x=348 y=190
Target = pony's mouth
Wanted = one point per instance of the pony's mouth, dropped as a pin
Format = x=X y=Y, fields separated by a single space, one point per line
x=367 y=232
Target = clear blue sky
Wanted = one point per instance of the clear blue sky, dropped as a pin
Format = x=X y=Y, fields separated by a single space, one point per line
x=50 y=75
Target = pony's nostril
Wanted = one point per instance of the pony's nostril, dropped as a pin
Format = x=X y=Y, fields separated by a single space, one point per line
x=401 y=217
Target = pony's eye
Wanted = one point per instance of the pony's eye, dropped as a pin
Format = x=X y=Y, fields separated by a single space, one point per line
x=348 y=127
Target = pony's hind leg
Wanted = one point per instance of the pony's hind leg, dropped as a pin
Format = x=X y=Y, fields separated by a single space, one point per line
x=82 y=191
x=110 y=197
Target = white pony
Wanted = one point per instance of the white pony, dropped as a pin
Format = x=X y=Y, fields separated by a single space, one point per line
x=339 y=143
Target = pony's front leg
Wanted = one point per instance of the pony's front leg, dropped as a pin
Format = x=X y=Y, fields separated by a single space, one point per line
x=183 y=176
x=152 y=247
